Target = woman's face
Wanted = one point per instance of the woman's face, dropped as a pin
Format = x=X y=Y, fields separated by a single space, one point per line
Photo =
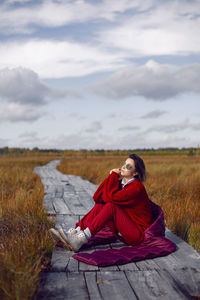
x=128 y=168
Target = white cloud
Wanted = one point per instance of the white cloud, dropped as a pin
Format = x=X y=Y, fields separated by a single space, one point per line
x=171 y=128
x=138 y=29
x=170 y=27
x=107 y=141
x=28 y=134
x=153 y=114
x=77 y=116
x=24 y=86
x=15 y=112
x=24 y=92
x=128 y=128
x=4 y=142
x=17 y=1
x=51 y=13
x=153 y=81
x=94 y=127
x=195 y=126
x=123 y=31
x=112 y=116
x=63 y=141
x=56 y=59
x=28 y=137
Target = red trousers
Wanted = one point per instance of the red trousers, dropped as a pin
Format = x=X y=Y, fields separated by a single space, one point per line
x=104 y=214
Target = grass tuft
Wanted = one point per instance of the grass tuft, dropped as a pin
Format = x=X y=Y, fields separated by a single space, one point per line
x=25 y=247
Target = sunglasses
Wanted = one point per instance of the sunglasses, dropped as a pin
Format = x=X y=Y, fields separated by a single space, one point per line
x=127 y=166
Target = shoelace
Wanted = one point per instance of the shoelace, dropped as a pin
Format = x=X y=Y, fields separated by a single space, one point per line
x=71 y=230
x=81 y=234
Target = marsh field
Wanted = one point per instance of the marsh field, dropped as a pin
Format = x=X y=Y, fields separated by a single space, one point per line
x=173 y=182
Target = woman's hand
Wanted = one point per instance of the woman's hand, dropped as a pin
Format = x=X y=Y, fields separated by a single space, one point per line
x=118 y=171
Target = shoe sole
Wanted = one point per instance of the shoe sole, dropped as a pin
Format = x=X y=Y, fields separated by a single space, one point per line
x=61 y=232
x=64 y=238
x=54 y=235
x=57 y=238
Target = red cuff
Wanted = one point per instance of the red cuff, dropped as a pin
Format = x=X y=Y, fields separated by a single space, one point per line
x=114 y=173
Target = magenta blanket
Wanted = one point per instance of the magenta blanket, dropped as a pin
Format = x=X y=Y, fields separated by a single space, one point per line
x=154 y=244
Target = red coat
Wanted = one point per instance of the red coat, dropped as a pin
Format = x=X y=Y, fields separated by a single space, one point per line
x=133 y=199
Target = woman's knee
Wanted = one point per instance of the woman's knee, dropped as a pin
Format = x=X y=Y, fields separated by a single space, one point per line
x=110 y=204
x=136 y=240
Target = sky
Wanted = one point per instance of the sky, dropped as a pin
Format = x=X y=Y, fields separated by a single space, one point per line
x=99 y=74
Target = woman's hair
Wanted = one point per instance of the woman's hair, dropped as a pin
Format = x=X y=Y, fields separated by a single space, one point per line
x=139 y=167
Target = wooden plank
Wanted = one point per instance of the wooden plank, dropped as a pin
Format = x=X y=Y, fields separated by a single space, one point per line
x=169 y=262
x=60 y=206
x=49 y=207
x=48 y=197
x=185 y=252
x=86 y=200
x=85 y=267
x=66 y=222
x=50 y=211
x=92 y=286
x=147 y=264
x=153 y=285
x=69 y=189
x=60 y=285
x=51 y=189
x=60 y=259
x=109 y=268
x=73 y=265
x=128 y=267
x=83 y=185
x=77 y=182
x=77 y=288
x=74 y=205
x=188 y=280
x=91 y=190
x=114 y=285
x=59 y=190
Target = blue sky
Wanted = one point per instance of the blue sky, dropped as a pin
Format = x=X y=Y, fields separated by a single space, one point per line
x=99 y=74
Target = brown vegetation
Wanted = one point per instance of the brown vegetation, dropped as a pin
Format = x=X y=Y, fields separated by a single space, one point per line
x=25 y=247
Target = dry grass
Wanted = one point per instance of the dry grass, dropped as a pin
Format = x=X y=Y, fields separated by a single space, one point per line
x=25 y=247
x=173 y=183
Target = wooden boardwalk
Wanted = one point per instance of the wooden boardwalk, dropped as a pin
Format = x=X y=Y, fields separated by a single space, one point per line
x=176 y=276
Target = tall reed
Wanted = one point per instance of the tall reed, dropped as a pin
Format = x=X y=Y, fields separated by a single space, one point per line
x=25 y=247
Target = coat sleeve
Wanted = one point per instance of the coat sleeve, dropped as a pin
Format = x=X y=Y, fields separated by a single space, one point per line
x=99 y=192
x=129 y=196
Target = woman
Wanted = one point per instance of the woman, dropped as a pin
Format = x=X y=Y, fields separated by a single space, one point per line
x=123 y=205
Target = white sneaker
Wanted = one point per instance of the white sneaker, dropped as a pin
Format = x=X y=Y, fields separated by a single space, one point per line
x=55 y=235
x=76 y=240
x=58 y=238
x=69 y=232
